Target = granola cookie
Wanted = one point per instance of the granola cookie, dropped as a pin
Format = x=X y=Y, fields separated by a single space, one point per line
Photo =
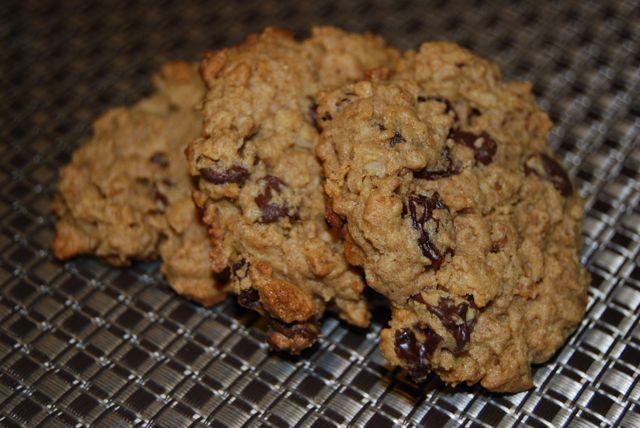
x=260 y=183
x=449 y=198
x=127 y=193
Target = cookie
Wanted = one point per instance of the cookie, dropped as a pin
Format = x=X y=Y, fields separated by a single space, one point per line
x=447 y=195
x=259 y=182
x=126 y=194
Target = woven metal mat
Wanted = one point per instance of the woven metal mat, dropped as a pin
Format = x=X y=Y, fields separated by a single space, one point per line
x=82 y=343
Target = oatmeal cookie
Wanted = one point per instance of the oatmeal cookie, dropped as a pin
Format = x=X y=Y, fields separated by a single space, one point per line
x=127 y=193
x=449 y=198
x=260 y=183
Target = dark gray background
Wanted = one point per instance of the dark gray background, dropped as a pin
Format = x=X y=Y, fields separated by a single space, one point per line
x=83 y=343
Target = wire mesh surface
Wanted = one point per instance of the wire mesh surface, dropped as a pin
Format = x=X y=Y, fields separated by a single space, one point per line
x=84 y=343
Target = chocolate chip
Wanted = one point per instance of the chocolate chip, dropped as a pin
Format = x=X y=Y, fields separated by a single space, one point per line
x=272 y=212
x=249 y=298
x=551 y=171
x=160 y=158
x=421 y=209
x=445 y=171
x=235 y=174
x=454 y=318
x=421 y=99
x=397 y=138
x=484 y=147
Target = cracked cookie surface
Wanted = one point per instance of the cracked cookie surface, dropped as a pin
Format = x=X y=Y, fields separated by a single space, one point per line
x=126 y=194
x=449 y=198
x=260 y=183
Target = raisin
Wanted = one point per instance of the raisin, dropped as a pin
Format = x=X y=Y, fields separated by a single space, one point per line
x=249 y=298
x=160 y=158
x=551 y=170
x=483 y=151
x=454 y=318
x=434 y=174
x=397 y=138
x=272 y=212
x=421 y=208
x=235 y=174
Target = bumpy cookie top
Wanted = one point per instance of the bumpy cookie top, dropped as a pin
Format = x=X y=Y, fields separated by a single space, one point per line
x=459 y=214
x=127 y=194
x=259 y=180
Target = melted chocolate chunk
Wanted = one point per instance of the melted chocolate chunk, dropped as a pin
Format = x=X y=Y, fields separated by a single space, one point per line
x=160 y=159
x=484 y=149
x=551 y=171
x=454 y=318
x=407 y=347
x=249 y=298
x=434 y=174
x=431 y=341
x=235 y=174
x=272 y=212
x=416 y=354
x=397 y=138
x=421 y=208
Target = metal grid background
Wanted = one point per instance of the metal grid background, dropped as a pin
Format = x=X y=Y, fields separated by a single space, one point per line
x=83 y=343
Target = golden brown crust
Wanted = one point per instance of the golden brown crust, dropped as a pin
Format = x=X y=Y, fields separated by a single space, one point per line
x=127 y=195
x=259 y=182
x=459 y=214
